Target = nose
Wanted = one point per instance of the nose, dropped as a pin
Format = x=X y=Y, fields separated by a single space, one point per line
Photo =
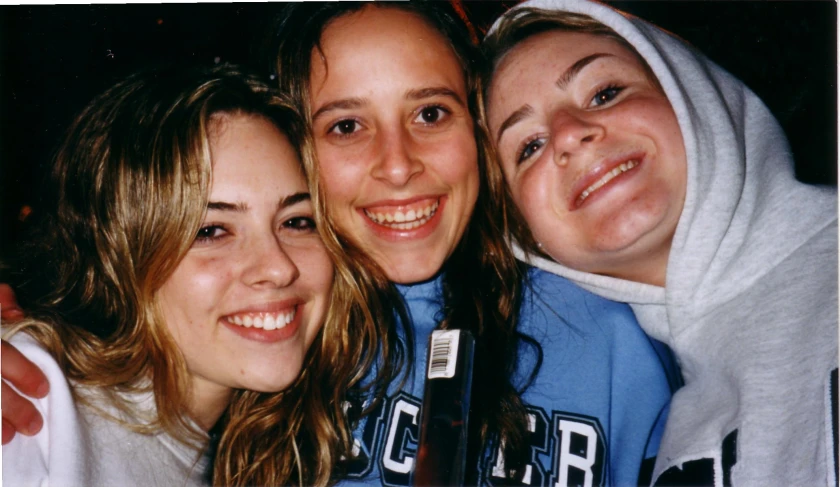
x=268 y=265
x=571 y=133
x=398 y=160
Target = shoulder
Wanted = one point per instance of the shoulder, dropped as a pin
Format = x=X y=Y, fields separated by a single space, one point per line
x=545 y=289
x=54 y=452
x=554 y=306
x=35 y=352
x=60 y=397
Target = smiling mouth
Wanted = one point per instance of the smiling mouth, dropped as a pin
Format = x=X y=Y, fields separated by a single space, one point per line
x=407 y=218
x=606 y=178
x=264 y=321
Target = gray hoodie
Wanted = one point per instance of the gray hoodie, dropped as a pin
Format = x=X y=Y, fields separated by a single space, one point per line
x=750 y=301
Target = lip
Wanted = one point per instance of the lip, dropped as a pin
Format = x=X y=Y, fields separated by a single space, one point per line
x=394 y=234
x=262 y=335
x=599 y=171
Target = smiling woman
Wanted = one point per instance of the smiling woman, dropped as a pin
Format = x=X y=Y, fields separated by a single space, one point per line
x=246 y=301
x=178 y=285
x=651 y=176
x=607 y=205
x=407 y=207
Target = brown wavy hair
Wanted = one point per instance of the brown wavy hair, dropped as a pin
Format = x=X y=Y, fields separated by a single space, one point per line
x=482 y=281
x=126 y=197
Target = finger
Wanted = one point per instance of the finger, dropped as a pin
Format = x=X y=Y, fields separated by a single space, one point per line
x=19 y=412
x=9 y=308
x=22 y=373
x=8 y=431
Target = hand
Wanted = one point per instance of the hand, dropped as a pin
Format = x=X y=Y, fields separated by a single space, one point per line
x=9 y=309
x=19 y=415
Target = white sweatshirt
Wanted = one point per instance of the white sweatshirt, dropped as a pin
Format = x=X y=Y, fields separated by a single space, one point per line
x=78 y=447
x=750 y=301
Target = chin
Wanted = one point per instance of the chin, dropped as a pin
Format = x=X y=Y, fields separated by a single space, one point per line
x=272 y=386
x=412 y=268
x=410 y=276
x=275 y=380
x=636 y=232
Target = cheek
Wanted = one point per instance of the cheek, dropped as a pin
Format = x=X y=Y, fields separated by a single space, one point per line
x=539 y=198
x=653 y=117
x=340 y=177
x=317 y=275
x=535 y=195
x=456 y=163
x=192 y=291
x=323 y=275
x=661 y=124
x=316 y=269
x=677 y=163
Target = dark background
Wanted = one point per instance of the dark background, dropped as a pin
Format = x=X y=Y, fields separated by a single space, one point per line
x=54 y=59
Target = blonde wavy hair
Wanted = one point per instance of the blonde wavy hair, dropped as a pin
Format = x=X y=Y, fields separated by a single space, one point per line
x=126 y=197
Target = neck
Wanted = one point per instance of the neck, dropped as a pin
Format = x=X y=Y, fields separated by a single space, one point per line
x=208 y=402
x=647 y=271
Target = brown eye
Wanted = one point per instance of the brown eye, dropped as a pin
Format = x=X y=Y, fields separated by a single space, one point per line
x=431 y=115
x=209 y=233
x=345 y=127
x=300 y=223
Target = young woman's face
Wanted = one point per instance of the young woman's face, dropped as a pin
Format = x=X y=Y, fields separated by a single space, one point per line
x=248 y=299
x=592 y=152
x=394 y=139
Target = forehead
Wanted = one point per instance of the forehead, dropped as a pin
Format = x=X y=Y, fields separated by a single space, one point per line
x=554 y=51
x=368 y=41
x=248 y=149
x=375 y=23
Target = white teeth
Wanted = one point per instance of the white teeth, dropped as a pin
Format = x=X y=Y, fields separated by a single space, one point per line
x=269 y=323
x=264 y=321
x=404 y=221
x=623 y=167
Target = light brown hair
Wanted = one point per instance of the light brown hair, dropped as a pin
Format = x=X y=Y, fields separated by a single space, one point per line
x=127 y=195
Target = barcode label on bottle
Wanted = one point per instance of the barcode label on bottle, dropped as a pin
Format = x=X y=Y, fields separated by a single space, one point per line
x=444 y=356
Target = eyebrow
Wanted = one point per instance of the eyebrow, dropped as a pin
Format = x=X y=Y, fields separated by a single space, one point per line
x=562 y=83
x=567 y=77
x=293 y=199
x=419 y=94
x=242 y=207
x=343 y=104
x=433 y=91
x=513 y=119
x=223 y=206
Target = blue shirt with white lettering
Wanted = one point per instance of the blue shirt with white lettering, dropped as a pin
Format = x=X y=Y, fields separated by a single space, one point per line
x=597 y=406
